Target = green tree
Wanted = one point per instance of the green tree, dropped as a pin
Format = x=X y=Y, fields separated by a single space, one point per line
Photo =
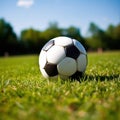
x=33 y=40
x=8 y=38
x=98 y=38
x=73 y=32
x=113 y=32
x=30 y=39
x=52 y=31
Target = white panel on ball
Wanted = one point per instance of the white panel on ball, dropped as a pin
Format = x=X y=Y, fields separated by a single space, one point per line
x=55 y=54
x=42 y=59
x=44 y=73
x=79 y=46
x=63 y=41
x=67 y=66
x=82 y=62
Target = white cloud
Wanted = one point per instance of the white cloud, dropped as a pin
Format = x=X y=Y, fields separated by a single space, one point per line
x=25 y=3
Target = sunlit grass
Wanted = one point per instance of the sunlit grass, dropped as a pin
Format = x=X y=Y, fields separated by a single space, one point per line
x=25 y=94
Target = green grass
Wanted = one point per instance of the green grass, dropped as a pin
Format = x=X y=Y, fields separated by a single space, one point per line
x=26 y=95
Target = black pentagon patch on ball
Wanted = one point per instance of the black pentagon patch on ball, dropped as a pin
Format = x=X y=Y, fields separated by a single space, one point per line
x=48 y=45
x=72 y=51
x=76 y=76
x=51 y=69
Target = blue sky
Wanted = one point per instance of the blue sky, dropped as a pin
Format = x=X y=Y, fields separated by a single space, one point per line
x=22 y=14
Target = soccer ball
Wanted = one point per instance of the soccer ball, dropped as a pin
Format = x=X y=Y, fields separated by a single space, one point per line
x=64 y=57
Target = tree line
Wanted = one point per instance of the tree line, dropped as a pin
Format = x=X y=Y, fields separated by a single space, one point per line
x=31 y=40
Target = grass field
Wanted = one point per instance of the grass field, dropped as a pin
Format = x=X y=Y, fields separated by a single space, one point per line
x=26 y=95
